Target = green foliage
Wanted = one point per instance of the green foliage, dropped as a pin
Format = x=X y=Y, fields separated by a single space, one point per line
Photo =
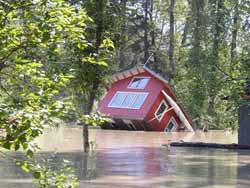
x=208 y=68
x=94 y=119
x=46 y=177
x=208 y=82
x=35 y=36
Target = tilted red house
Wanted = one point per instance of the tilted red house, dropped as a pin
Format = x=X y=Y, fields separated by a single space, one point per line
x=140 y=99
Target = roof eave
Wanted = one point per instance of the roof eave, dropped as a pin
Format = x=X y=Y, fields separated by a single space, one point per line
x=134 y=71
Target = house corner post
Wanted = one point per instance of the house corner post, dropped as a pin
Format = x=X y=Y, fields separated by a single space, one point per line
x=244 y=118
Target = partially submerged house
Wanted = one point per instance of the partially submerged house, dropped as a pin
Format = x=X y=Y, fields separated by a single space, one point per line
x=140 y=99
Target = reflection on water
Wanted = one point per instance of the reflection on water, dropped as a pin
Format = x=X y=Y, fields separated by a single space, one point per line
x=138 y=160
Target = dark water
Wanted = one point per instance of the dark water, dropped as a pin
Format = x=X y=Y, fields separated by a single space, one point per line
x=137 y=159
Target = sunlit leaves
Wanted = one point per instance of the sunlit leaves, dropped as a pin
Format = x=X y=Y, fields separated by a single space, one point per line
x=45 y=176
x=33 y=36
x=107 y=43
x=94 y=119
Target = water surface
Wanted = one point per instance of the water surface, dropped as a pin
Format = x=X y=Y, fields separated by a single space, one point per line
x=128 y=159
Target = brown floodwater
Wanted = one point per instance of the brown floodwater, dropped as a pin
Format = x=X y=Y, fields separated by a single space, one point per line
x=128 y=159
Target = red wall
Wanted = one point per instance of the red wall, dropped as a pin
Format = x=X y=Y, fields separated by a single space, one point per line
x=153 y=88
x=155 y=124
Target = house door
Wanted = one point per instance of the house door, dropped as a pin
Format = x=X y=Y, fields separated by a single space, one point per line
x=171 y=126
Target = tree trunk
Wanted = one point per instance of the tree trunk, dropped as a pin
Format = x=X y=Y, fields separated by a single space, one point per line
x=146 y=43
x=171 y=41
x=186 y=27
x=198 y=9
x=85 y=138
x=234 y=32
x=123 y=31
x=99 y=23
x=152 y=35
x=184 y=35
x=95 y=83
x=218 y=31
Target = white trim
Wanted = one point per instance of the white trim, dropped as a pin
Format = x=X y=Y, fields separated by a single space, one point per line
x=172 y=119
x=178 y=111
x=134 y=99
x=125 y=117
x=166 y=111
x=163 y=113
x=139 y=69
x=131 y=81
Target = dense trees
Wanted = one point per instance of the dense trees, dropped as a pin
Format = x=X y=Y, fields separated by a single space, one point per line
x=200 y=46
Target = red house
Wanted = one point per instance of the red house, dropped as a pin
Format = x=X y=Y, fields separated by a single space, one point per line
x=140 y=99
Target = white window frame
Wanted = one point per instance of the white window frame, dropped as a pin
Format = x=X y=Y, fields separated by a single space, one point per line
x=159 y=119
x=134 y=99
x=174 y=122
x=131 y=81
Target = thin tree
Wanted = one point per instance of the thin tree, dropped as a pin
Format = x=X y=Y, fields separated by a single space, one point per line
x=171 y=41
x=123 y=5
x=146 y=30
x=234 y=31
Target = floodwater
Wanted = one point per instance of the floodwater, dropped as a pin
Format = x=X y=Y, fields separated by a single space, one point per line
x=127 y=159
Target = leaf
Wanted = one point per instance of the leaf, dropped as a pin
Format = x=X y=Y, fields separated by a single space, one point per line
x=107 y=43
x=7 y=145
x=29 y=153
x=25 y=167
x=37 y=175
x=25 y=145
x=103 y=63
x=17 y=146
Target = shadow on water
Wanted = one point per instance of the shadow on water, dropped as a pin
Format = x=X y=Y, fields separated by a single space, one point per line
x=140 y=165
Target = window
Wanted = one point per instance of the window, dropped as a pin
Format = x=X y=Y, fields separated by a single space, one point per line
x=161 y=110
x=138 y=82
x=130 y=100
x=117 y=99
x=171 y=127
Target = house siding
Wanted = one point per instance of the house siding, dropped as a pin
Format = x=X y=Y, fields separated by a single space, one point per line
x=154 y=122
x=153 y=88
x=143 y=118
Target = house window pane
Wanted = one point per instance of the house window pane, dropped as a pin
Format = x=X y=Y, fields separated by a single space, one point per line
x=128 y=100
x=138 y=83
x=117 y=100
x=139 y=101
x=135 y=82
x=171 y=126
x=160 y=111
x=143 y=83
